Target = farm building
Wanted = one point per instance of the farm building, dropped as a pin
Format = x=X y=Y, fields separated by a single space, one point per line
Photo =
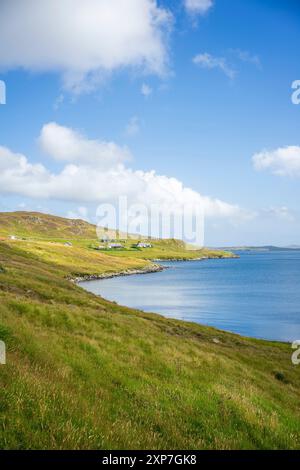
x=144 y=245
x=115 y=245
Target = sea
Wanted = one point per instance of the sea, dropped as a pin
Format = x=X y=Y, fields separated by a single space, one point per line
x=257 y=294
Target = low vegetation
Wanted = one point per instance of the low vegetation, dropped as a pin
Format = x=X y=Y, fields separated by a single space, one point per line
x=86 y=373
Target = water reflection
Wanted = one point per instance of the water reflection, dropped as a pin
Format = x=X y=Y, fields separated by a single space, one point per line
x=256 y=295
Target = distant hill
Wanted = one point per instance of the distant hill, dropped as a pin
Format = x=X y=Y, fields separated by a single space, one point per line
x=262 y=248
x=36 y=224
x=47 y=226
x=35 y=227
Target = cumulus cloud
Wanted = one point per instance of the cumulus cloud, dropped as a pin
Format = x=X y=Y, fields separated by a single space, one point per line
x=209 y=62
x=198 y=6
x=284 y=161
x=15 y=171
x=83 y=40
x=65 y=144
x=101 y=176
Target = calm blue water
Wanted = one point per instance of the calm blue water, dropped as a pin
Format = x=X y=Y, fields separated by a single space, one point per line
x=257 y=295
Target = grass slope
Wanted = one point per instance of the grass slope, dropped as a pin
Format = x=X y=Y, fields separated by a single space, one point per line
x=36 y=224
x=48 y=233
x=82 y=372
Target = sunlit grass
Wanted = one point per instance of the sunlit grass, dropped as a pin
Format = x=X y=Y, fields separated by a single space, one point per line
x=86 y=373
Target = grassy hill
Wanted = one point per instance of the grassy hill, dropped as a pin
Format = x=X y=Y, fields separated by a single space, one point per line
x=86 y=373
x=49 y=233
x=36 y=225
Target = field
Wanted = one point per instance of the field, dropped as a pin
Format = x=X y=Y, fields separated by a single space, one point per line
x=86 y=373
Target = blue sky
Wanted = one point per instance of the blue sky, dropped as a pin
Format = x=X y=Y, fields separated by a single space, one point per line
x=201 y=120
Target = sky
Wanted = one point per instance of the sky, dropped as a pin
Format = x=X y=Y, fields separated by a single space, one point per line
x=166 y=102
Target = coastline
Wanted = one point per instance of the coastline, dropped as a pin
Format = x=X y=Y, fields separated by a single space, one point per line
x=154 y=268
x=103 y=348
x=159 y=268
x=201 y=258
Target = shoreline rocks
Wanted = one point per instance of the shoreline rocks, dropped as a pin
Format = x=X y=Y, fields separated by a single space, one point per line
x=128 y=272
x=154 y=268
x=202 y=258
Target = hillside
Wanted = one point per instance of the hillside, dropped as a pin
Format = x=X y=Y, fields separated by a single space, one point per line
x=82 y=372
x=36 y=224
x=48 y=233
x=86 y=373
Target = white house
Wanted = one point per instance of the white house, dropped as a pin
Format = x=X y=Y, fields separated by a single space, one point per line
x=115 y=245
x=144 y=245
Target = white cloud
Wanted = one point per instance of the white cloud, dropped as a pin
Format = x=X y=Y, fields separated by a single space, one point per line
x=15 y=171
x=207 y=61
x=133 y=127
x=281 y=213
x=284 y=161
x=146 y=90
x=65 y=144
x=83 y=40
x=246 y=56
x=95 y=178
x=198 y=6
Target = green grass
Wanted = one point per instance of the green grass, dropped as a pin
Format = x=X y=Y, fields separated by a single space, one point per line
x=38 y=225
x=35 y=231
x=86 y=373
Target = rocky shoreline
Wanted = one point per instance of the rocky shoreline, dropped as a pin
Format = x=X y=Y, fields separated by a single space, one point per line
x=154 y=268
x=202 y=258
